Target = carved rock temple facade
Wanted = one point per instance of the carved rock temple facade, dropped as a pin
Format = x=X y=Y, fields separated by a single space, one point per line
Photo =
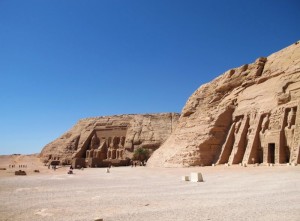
x=250 y=114
x=103 y=141
x=263 y=138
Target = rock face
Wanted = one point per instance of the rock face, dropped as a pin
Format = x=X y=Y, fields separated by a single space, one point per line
x=102 y=140
x=250 y=114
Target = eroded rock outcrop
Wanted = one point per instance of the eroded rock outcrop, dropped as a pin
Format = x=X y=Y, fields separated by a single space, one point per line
x=112 y=139
x=250 y=114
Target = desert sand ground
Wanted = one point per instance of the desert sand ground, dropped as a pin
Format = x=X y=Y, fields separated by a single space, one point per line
x=141 y=193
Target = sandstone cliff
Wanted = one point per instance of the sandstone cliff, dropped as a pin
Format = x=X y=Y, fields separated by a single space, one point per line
x=111 y=137
x=249 y=114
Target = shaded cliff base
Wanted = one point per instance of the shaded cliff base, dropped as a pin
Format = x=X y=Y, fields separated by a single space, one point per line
x=30 y=163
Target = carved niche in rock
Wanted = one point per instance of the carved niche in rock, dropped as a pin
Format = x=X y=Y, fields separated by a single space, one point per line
x=289 y=131
x=234 y=147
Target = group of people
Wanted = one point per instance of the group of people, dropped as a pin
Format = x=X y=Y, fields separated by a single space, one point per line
x=53 y=167
x=20 y=166
x=135 y=163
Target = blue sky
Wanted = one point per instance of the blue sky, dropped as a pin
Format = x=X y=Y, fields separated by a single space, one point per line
x=62 y=60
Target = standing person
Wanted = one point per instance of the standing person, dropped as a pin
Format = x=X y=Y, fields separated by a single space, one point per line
x=70 y=170
x=108 y=168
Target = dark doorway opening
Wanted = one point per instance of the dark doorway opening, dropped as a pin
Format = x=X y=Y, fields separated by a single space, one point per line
x=260 y=155
x=271 y=153
x=287 y=154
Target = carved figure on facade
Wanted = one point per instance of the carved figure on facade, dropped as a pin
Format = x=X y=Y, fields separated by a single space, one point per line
x=94 y=142
x=242 y=138
x=90 y=153
x=239 y=139
x=121 y=149
x=252 y=123
x=112 y=150
x=265 y=124
x=237 y=125
x=264 y=128
x=289 y=131
x=276 y=118
x=100 y=152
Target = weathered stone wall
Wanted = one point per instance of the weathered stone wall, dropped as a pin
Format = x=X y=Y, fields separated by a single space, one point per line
x=111 y=137
x=250 y=114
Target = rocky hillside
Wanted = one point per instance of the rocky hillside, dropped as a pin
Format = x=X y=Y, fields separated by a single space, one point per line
x=124 y=132
x=249 y=114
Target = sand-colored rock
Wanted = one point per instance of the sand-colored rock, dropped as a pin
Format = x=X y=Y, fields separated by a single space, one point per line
x=249 y=114
x=110 y=139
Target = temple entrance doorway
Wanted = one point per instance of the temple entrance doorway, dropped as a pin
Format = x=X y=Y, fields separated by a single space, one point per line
x=271 y=153
x=260 y=155
x=287 y=154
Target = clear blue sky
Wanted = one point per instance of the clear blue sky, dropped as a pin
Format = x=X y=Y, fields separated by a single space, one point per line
x=62 y=60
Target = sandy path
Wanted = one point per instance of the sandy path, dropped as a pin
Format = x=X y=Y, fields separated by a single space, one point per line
x=228 y=193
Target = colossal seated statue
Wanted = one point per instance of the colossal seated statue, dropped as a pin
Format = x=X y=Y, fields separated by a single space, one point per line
x=94 y=142
x=121 y=149
x=112 y=150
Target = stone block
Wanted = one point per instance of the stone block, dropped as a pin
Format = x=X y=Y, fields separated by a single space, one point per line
x=185 y=178
x=196 y=177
